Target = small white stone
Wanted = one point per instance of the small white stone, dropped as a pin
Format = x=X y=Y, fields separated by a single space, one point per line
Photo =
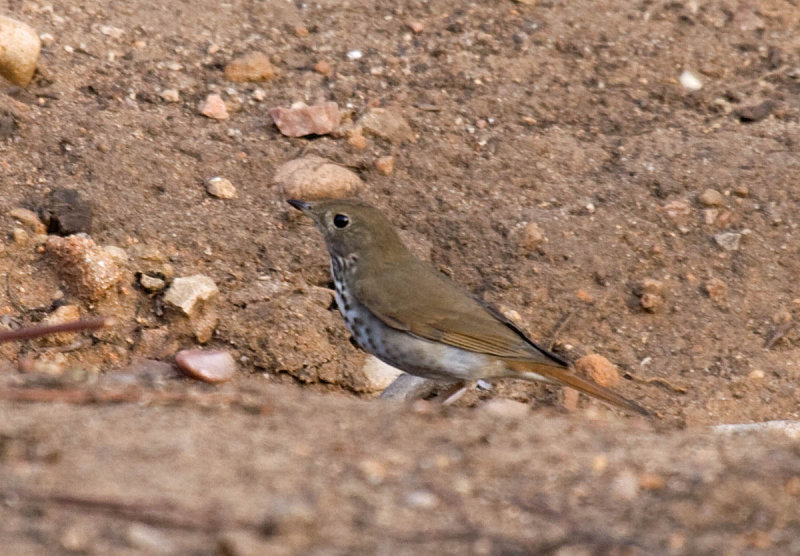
x=355 y=55
x=171 y=95
x=690 y=81
x=423 y=499
x=728 y=240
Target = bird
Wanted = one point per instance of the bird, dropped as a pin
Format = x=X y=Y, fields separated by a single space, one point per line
x=411 y=316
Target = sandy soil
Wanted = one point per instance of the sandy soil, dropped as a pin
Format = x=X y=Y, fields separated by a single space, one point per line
x=567 y=114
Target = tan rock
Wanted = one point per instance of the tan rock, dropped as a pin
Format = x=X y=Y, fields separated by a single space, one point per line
x=385 y=165
x=314 y=177
x=386 y=124
x=19 y=51
x=254 y=66
x=221 y=188
x=599 y=369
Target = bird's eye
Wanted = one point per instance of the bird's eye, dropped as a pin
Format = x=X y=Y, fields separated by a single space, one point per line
x=341 y=221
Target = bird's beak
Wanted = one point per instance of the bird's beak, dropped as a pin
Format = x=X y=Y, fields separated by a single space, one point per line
x=301 y=205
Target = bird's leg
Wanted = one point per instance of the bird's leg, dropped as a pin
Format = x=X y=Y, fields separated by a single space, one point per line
x=454 y=392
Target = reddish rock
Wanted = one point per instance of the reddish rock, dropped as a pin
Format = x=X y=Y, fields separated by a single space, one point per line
x=87 y=268
x=213 y=366
x=598 y=368
x=301 y=119
x=213 y=107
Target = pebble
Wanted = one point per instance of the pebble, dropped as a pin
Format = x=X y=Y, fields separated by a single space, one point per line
x=584 y=296
x=532 y=237
x=378 y=375
x=690 y=81
x=19 y=51
x=757 y=374
x=505 y=408
x=423 y=499
x=20 y=236
x=221 y=188
x=355 y=55
x=170 y=95
x=728 y=240
x=386 y=124
x=300 y=119
x=259 y=95
x=651 y=481
x=756 y=112
x=67 y=212
x=213 y=107
x=599 y=369
x=186 y=293
x=385 y=165
x=29 y=218
x=152 y=283
x=313 y=177
x=717 y=290
x=415 y=26
x=652 y=299
x=65 y=313
x=87 y=268
x=149 y=539
x=77 y=538
x=356 y=138
x=212 y=366
x=711 y=198
x=651 y=303
x=677 y=209
x=254 y=66
x=322 y=67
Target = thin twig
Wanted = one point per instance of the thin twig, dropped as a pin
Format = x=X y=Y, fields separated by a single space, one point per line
x=658 y=380
x=29 y=332
x=162 y=513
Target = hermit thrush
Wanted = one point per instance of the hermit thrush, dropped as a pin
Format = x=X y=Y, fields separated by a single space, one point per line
x=414 y=318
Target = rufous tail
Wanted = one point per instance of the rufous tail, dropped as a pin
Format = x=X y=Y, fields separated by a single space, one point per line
x=563 y=376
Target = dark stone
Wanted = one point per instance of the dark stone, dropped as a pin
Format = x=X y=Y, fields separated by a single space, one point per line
x=757 y=112
x=67 y=213
x=8 y=125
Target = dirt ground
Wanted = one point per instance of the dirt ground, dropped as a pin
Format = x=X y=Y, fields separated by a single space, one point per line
x=571 y=115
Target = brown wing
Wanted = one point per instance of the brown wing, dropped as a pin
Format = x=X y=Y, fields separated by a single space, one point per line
x=436 y=309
